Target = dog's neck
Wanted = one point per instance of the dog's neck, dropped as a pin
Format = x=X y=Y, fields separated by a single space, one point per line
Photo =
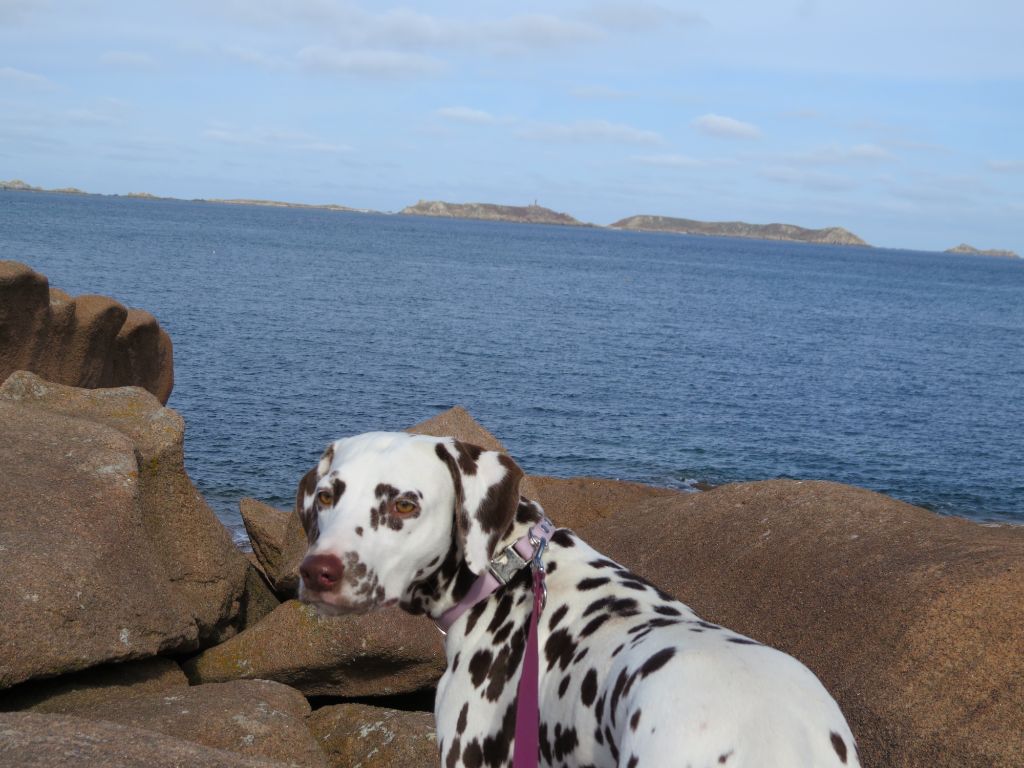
x=453 y=579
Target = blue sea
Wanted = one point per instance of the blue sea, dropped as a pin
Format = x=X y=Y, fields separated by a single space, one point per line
x=665 y=359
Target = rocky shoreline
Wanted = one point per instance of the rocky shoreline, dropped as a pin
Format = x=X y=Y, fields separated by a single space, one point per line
x=135 y=633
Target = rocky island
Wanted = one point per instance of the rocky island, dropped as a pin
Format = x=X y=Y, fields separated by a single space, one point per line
x=970 y=250
x=525 y=214
x=790 y=232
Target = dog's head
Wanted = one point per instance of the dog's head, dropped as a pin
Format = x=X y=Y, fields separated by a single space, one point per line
x=385 y=510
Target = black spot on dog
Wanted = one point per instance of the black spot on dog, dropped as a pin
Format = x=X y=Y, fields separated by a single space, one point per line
x=742 y=641
x=563 y=686
x=588 y=688
x=557 y=616
x=723 y=759
x=545 y=745
x=473 y=755
x=634 y=761
x=460 y=726
x=580 y=656
x=598 y=736
x=667 y=610
x=474 y=615
x=338 y=486
x=454 y=752
x=620 y=686
x=501 y=611
x=359 y=530
x=594 y=624
x=592 y=583
x=657 y=661
x=563 y=538
x=599 y=709
x=455 y=661
x=603 y=562
x=634 y=721
x=498 y=745
x=616 y=651
x=468 y=456
x=707 y=625
x=565 y=742
x=559 y=649
x=839 y=746
x=502 y=634
x=479 y=666
x=597 y=605
x=625 y=607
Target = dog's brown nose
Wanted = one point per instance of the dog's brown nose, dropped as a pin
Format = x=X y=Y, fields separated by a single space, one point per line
x=321 y=573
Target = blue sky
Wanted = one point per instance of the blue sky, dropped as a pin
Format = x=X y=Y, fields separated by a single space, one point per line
x=903 y=122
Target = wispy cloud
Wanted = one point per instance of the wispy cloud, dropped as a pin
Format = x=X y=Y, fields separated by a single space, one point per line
x=15 y=10
x=598 y=93
x=1006 y=166
x=679 y=161
x=590 y=130
x=23 y=78
x=288 y=140
x=835 y=154
x=380 y=64
x=466 y=115
x=127 y=59
x=813 y=180
x=640 y=16
x=724 y=127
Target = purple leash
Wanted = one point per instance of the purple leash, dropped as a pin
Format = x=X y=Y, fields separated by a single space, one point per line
x=527 y=747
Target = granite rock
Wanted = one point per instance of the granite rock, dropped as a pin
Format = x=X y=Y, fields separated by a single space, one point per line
x=375 y=737
x=112 y=553
x=374 y=654
x=89 y=341
x=32 y=740
x=74 y=693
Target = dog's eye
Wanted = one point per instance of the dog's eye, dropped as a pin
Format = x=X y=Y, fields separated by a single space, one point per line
x=324 y=498
x=405 y=507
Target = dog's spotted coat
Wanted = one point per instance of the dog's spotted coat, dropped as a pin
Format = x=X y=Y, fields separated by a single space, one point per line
x=629 y=676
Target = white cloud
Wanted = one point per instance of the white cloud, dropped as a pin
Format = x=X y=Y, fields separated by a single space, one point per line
x=835 y=154
x=16 y=10
x=814 y=180
x=677 y=161
x=382 y=64
x=467 y=115
x=640 y=16
x=725 y=127
x=127 y=59
x=597 y=92
x=1006 y=166
x=21 y=77
x=288 y=140
x=590 y=130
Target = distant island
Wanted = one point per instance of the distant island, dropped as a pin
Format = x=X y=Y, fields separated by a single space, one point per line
x=970 y=250
x=527 y=214
x=790 y=232
x=537 y=214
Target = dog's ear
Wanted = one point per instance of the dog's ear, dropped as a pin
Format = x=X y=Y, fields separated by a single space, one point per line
x=486 y=498
x=304 y=506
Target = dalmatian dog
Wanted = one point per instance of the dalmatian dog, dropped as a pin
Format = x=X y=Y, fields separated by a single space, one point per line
x=628 y=675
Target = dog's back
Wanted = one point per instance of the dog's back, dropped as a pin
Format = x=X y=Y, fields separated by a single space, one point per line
x=632 y=677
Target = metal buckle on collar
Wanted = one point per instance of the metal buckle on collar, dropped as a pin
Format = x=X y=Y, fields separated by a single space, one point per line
x=506 y=565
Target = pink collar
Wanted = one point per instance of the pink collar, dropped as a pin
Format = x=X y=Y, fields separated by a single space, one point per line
x=502 y=568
